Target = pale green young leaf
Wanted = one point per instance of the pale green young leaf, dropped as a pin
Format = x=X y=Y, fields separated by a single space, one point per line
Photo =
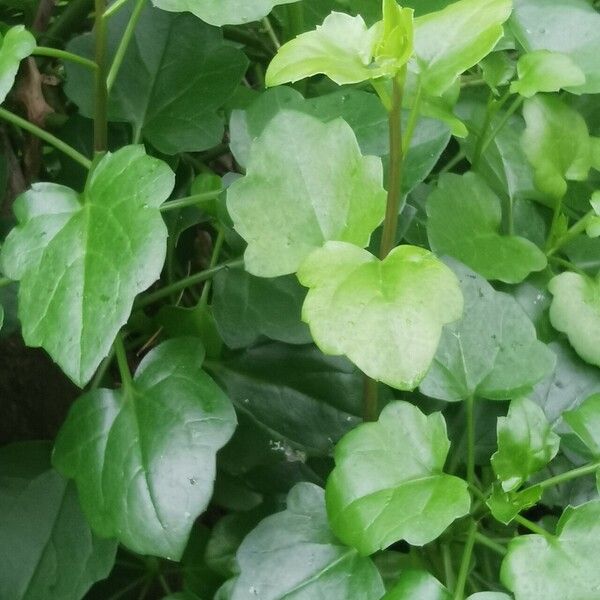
x=296 y=196
x=585 y=422
x=47 y=550
x=394 y=46
x=294 y=554
x=223 y=12
x=414 y=584
x=561 y=567
x=571 y=27
x=357 y=305
x=545 y=71
x=492 y=352
x=575 y=311
x=82 y=259
x=557 y=143
x=464 y=221
x=144 y=457
x=526 y=444
x=388 y=483
x=452 y=40
x=505 y=506
x=176 y=75
x=15 y=45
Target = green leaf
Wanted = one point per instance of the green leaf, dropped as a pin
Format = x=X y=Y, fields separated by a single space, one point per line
x=451 y=41
x=325 y=190
x=47 y=549
x=506 y=506
x=526 y=444
x=264 y=382
x=557 y=144
x=413 y=584
x=347 y=51
x=489 y=596
x=176 y=74
x=388 y=484
x=585 y=422
x=15 y=45
x=293 y=554
x=82 y=259
x=567 y=387
x=247 y=308
x=593 y=228
x=575 y=311
x=223 y=12
x=143 y=457
x=565 y=567
x=492 y=352
x=544 y=24
x=464 y=221
x=358 y=304
x=545 y=71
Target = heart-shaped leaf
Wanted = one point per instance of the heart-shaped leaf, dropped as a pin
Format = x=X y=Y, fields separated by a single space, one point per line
x=82 y=259
x=542 y=25
x=492 y=352
x=388 y=484
x=526 y=444
x=545 y=71
x=223 y=12
x=452 y=40
x=357 y=305
x=464 y=221
x=575 y=311
x=557 y=143
x=175 y=76
x=565 y=567
x=324 y=190
x=46 y=546
x=144 y=457
x=585 y=422
x=15 y=45
x=293 y=554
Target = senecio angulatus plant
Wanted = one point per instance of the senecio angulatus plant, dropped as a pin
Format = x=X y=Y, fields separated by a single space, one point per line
x=326 y=274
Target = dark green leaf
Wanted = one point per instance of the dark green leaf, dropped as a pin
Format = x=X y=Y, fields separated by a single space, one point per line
x=143 y=457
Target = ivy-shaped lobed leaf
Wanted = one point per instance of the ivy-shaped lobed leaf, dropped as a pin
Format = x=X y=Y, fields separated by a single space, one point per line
x=143 y=457
x=356 y=303
x=82 y=259
x=325 y=190
x=388 y=484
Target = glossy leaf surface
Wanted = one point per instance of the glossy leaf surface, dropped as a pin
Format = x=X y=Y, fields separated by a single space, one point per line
x=16 y=44
x=356 y=302
x=492 y=352
x=143 y=457
x=294 y=554
x=388 y=483
x=325 y=190
x=82 y=259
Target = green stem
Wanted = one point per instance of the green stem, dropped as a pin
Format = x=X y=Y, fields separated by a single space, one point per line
x=566 y=264
x=465 y=565
x=189 y=201
x=271 y=33
x=121 y=355
x=124 y=43
x=413 y=119
x=47 y=137
x=99 y=376
x=533 y=527
x=101 y=108
x=566 y=476
x=390 y=225
x=114 y=8
x=450 y=575
x=64 y=55
x=503 y=121
x=470 y=409
x=484 y=540
x=572 y=233
x=213 y=263
x=187 y=282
